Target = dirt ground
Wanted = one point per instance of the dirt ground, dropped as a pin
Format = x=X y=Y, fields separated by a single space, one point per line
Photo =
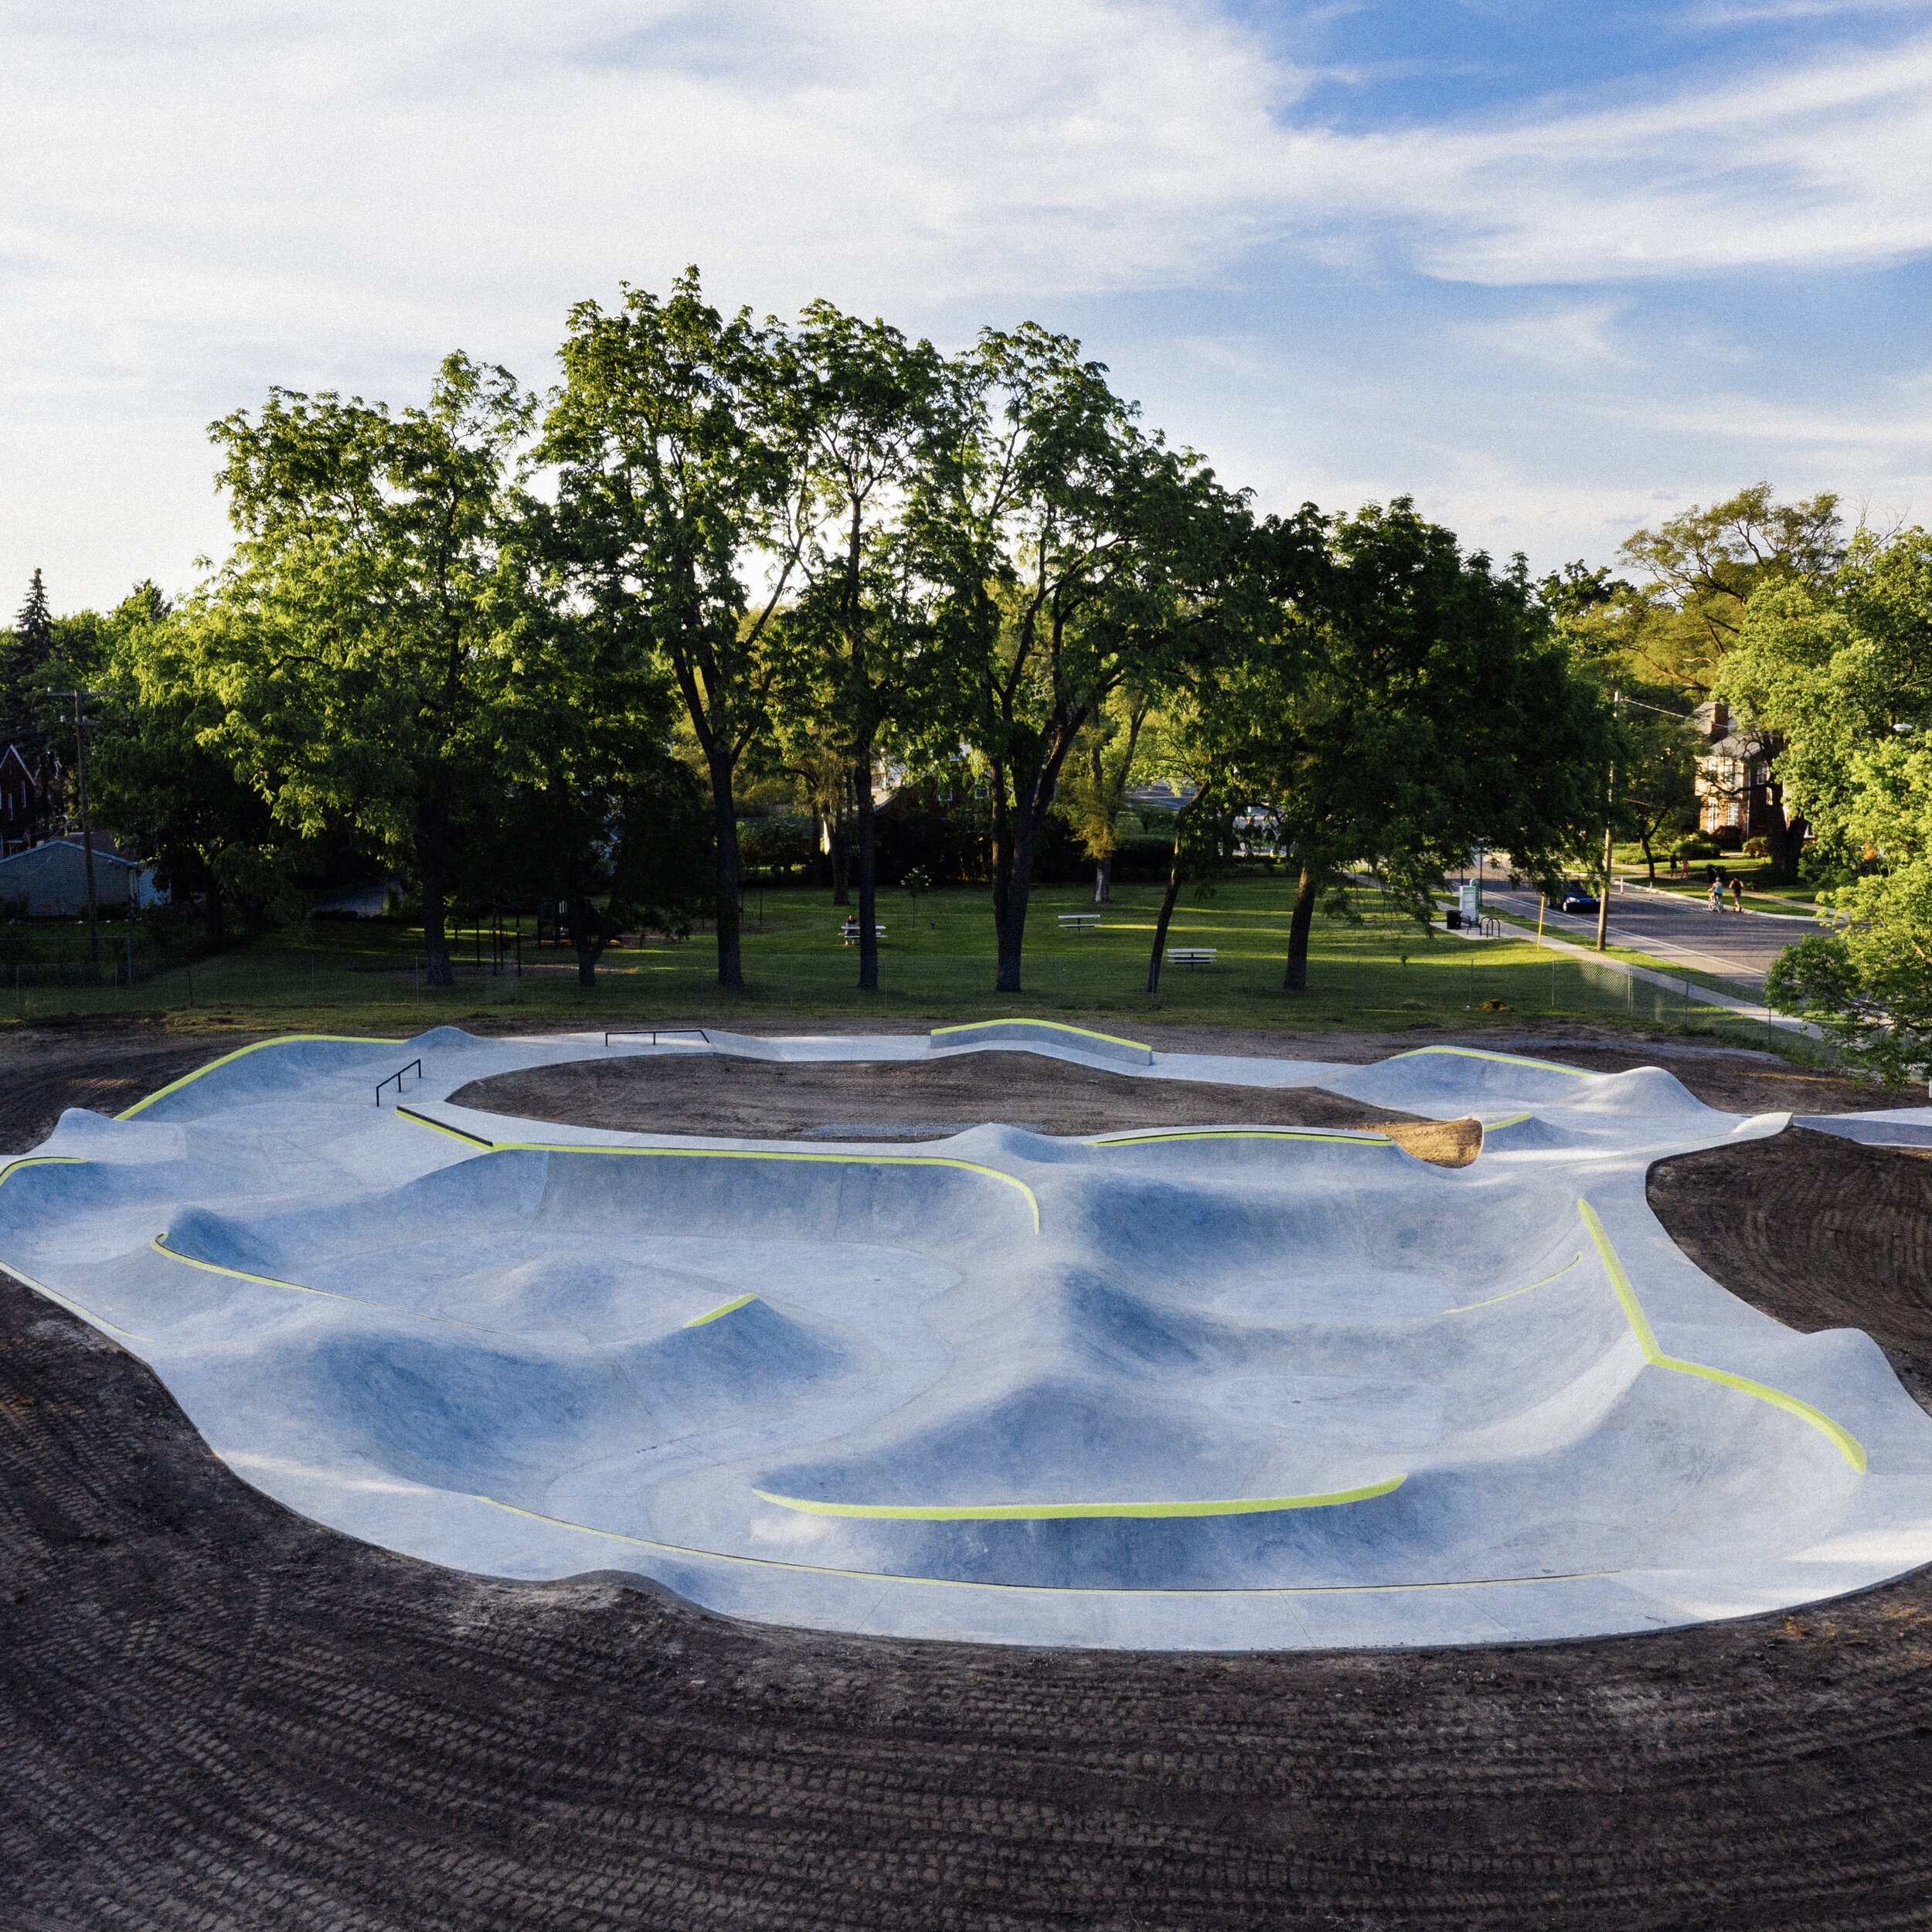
x=217 y=1715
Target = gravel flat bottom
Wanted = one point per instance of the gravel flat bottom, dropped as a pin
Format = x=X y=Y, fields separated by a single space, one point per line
x=214 y=1714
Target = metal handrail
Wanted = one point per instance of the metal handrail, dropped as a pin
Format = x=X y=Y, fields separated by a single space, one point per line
x=397 y=1077
x=638 y=1032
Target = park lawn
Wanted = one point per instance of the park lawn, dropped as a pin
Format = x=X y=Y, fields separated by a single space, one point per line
x=1380 y=972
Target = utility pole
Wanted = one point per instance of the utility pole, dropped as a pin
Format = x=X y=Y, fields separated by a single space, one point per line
x=1610 y=822
x=1617 y=701
x=87 y=830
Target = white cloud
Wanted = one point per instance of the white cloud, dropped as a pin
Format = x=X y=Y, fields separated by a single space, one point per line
x=200 y=196
x=1573 y=337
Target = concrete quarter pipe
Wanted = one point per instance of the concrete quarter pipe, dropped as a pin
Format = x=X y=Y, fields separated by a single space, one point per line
x=1248 y=1387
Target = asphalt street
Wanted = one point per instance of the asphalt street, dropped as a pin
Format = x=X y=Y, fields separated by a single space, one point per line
x=1684 y=931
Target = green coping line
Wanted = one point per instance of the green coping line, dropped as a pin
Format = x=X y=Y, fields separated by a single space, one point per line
x=1507 y=1059
x=1847 y=1444
x=1510 y=1295
x=1142 y=1138
x=742 y=1154
x=159 y=1244
x=40 y=1160
x=1062 y=1512
x=723 y=1308
x=1050 y=1026
x=1496 y=1127
x=1024 y=1589
x=442 y=1127
x=282 y=1039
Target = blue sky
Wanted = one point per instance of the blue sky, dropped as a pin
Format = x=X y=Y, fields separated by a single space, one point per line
x=1555 y=269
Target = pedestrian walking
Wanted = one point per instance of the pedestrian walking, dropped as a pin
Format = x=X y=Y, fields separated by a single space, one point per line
x=1716 y=894
x=1737 y=893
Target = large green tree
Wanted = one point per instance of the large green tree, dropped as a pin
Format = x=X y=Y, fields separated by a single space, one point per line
x=158 y=779
x=883 y=427
x=369 y=643
x=1422 y=708
x=1087 y=558
x=1842 y=672
x=1700 y=570
x=681 y=474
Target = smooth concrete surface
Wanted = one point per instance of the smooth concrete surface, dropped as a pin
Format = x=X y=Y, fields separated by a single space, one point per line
x=1889 y=1127
x=1182 y=1388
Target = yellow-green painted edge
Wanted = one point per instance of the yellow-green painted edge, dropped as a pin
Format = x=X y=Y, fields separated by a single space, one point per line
x=442 y=1127
x=1507 y=1059
x=723 y=1308
x=1051 y=1025
x=1496 y=1127
x=1510 y=1294
x=159 y=1244
x=1142 y=1138
x=41 y=1160
x=283 y=1039
x=1028 y=1589
x=1062 y=1512
x=742 y=1154
x=1847 y=1444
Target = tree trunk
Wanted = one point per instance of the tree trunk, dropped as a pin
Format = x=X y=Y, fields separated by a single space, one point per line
x=1011 y=930
x=1296 y=979
x=868 y=878
x=724 y=818
x=841 y=857
x=432 y=840
x=1161 y=925
x=585 y=937
x=1786 y=840
x=1174 y=877
x=1013 y=847
x=1103 y=880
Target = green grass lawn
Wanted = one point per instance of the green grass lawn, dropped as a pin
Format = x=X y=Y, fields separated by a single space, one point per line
x=936 y=963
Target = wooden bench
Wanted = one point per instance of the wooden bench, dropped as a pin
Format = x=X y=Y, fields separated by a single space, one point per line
x=1080 y=922
x=850 y=932
x=1192 y=955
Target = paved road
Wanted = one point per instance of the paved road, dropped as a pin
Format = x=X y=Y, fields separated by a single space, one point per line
x=1684 y=931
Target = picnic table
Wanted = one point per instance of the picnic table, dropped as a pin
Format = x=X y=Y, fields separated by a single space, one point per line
x=1192 y=955
x=1081 y=922
x=850 y=932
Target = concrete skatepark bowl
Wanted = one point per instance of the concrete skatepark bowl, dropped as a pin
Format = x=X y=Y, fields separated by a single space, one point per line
x=1222 y=1388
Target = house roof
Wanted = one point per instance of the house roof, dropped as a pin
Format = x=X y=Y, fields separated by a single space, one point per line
x=103 y=855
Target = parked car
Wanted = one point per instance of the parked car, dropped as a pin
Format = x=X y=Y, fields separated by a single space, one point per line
x=1577 y=899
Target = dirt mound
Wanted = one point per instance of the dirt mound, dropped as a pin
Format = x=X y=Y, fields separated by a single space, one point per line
x=768 y=1100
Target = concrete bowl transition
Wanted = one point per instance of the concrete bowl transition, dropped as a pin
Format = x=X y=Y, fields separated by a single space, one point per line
x=1216 y=1388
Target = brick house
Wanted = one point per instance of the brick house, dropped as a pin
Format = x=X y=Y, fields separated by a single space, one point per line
x=1733 y=779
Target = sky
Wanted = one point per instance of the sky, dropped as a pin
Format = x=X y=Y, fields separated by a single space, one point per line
x=1554 y=268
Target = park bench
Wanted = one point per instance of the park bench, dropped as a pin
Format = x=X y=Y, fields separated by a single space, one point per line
x=1080 y=922
x=1191 y=955
x=850 y=932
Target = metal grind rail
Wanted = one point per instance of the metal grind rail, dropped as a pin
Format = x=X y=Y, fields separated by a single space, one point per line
x=416 y=1065
x=653 y=1034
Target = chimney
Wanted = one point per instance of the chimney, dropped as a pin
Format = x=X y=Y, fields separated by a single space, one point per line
x=1720 y=719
